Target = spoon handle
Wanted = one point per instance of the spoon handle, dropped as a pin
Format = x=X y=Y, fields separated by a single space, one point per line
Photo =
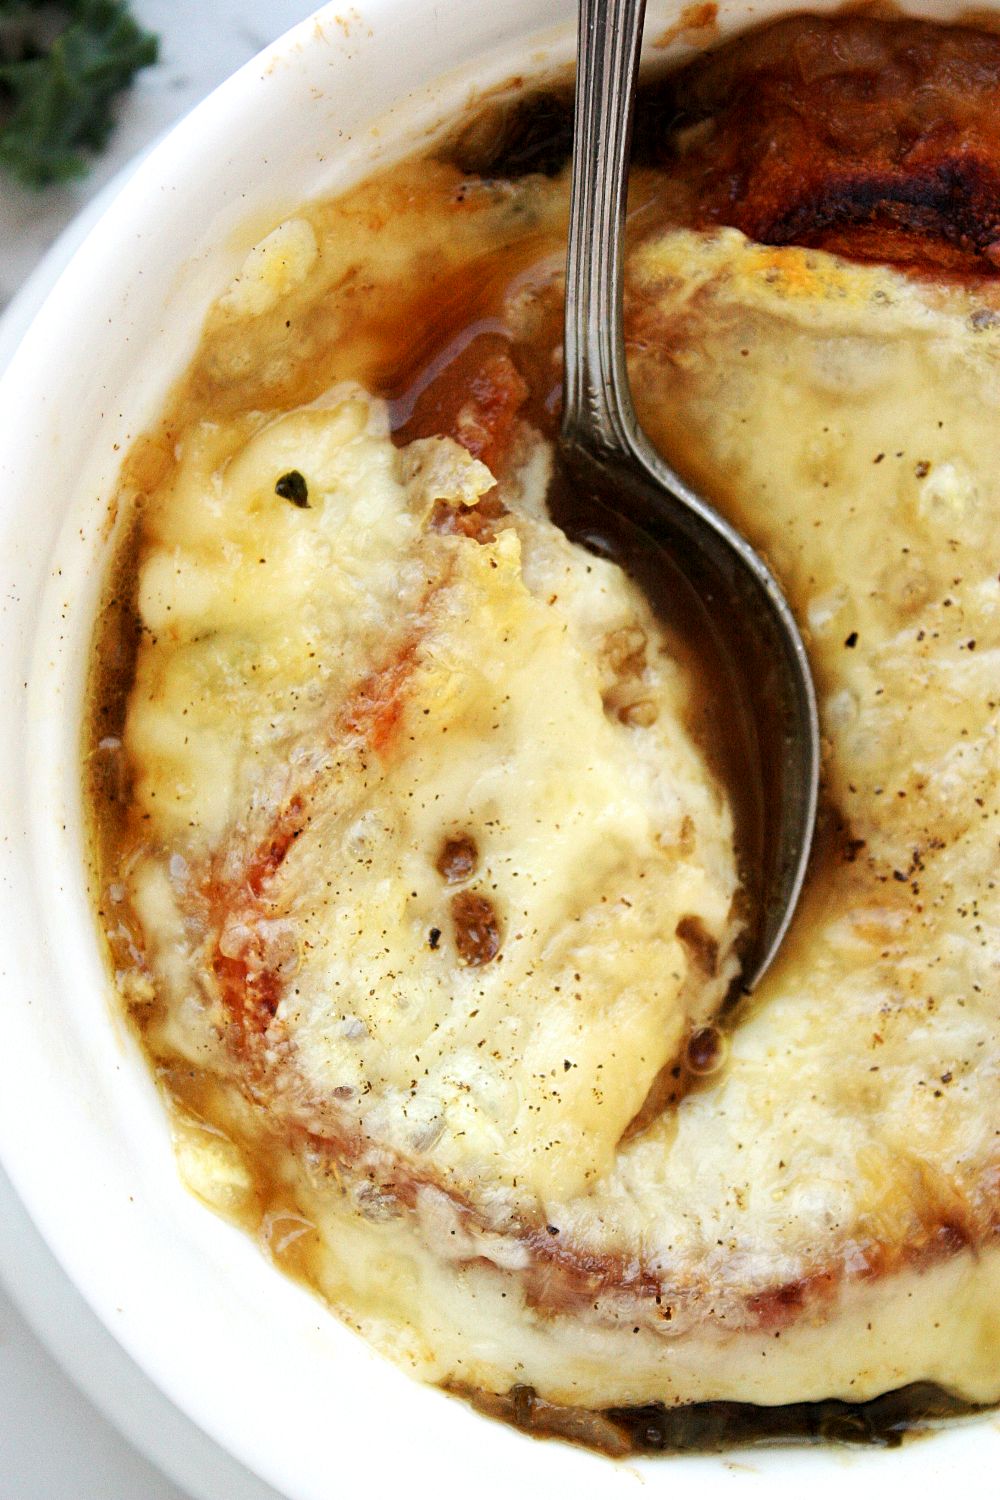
x=597 y=406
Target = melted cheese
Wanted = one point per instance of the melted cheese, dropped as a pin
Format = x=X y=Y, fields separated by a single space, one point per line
x=595 y=839
x=408 y=687
x=259 y=612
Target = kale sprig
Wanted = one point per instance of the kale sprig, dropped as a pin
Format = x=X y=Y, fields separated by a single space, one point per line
x=61 y=67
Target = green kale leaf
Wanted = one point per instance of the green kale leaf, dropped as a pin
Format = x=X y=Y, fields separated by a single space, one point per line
x=61 y=67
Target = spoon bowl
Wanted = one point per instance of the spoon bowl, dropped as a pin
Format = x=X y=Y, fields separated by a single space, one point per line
x=683 y=552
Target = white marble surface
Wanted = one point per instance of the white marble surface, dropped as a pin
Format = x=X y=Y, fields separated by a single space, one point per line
x=54 y=1443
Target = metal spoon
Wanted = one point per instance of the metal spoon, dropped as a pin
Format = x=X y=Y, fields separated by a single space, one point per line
x=610 y=463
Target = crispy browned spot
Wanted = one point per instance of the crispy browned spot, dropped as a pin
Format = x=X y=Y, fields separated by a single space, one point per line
x=702 y=947
x=476 y=927
x=877 y=139
x=458 y=858
x=477 y=522
x=474 y=399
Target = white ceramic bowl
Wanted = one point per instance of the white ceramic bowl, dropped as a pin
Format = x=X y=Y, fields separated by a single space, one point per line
x=252 y=1358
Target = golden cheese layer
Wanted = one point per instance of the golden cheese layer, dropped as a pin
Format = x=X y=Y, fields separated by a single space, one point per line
x=396 y=799
x=433 y=880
